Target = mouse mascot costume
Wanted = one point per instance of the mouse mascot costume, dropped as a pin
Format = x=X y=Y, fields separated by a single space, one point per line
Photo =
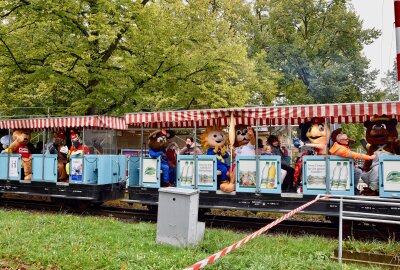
x=382 y=138
x=158 y=148
x=214 y=140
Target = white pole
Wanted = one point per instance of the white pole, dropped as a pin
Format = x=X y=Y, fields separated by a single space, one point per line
x=397 y=25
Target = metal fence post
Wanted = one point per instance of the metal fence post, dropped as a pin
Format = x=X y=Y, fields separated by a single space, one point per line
x=340 y=230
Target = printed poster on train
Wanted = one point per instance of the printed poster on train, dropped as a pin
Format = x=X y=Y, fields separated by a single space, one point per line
x=391 y=175
x=316 y=173
x=205 y=170
x=149 y=174
x=247 y=173
x=13 y=167
x=186 y=172
x=339 y=175
x=76 y=169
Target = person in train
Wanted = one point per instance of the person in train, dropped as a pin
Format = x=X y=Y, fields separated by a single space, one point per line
x=287 y=183
x=341 y=148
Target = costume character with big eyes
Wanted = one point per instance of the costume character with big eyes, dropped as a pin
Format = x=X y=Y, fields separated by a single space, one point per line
x=244 y=145
x=77 y=148
x=158 y=148
x=318 y=134
x=214 y=140
x=383 y=139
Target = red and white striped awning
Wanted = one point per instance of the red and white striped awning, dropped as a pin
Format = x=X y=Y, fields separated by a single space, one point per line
x=92 y=121
x=276 y=115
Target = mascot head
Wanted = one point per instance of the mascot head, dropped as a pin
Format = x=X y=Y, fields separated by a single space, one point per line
x=380 y=130
x=158 y=140
x=242 y=136
x=22 y=136
x=59 y=139
x=214 y=136
x=318 y=132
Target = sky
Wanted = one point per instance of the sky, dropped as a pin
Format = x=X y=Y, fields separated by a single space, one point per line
x=378 y=14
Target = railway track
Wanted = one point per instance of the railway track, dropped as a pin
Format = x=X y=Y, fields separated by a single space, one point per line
x=356 y=230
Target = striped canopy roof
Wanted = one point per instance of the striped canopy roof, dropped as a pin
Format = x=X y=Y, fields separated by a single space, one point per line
x=275 y=115
x=92 y=121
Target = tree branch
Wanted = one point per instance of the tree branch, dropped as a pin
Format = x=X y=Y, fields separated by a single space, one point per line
x=14 y=59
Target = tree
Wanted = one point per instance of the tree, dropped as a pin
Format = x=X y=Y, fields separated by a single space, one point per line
x=119 y=56
x=317 y=46
x=390 y=90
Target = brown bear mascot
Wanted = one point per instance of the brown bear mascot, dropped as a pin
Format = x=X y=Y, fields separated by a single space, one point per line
x=381 y=136
x=20 y=146
x=58 y=147
x=158 y=148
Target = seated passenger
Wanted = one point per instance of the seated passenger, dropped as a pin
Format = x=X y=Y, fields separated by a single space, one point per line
x=5 y=141
x=287 y=183
x=190 y=148
x=172 y=151
x=341 y=148
x=268 y=152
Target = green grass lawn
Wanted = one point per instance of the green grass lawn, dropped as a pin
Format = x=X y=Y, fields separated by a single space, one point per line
x=47 y=241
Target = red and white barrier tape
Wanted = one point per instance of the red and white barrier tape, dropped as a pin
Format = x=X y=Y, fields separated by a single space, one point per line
x=225 y=251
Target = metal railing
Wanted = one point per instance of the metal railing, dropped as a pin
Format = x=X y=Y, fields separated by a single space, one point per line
x=361 y=215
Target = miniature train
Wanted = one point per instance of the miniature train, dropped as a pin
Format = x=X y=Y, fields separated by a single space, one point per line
x=103 y=177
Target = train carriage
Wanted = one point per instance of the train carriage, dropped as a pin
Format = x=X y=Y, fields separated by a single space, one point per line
x=101 y=175
x=317 y=174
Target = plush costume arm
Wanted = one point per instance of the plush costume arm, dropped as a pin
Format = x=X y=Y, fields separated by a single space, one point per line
x=13 y=146
x=155 y=154
x=211 y=151
x=316 y=145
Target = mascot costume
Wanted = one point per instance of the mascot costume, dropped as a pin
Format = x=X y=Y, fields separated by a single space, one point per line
x=318 y=135
x=158 y=148
x=76 y=150
x=382 y=138
x=59 y=148
x=244 y=145
x=214 y=140
x=20 y=146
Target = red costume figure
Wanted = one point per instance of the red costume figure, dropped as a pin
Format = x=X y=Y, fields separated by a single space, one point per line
x=77 y=148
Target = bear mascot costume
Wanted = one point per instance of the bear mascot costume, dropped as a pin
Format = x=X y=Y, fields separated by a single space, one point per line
x=59 y=148
x=214 y=140
x=158 y=148
x=381 y=136
x=20 y=146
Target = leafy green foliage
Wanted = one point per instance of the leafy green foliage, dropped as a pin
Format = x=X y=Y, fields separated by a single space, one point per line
x=120 y=56
x=317 y=46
